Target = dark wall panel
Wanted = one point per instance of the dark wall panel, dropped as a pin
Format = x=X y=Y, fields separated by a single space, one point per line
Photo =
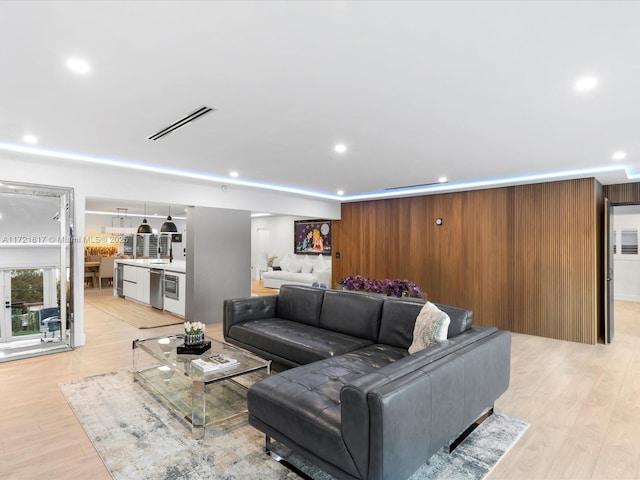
x=523 y=258
x=623 y=193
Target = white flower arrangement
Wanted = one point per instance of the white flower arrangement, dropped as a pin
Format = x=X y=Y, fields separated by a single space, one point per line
x=194 y=328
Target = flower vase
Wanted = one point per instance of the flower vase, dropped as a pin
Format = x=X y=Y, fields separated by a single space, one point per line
x=192 y=340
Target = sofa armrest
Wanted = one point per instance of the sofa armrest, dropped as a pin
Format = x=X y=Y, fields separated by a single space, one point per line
x=239 y=310
x=392 y=422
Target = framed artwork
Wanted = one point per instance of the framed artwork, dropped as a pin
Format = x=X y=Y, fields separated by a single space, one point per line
x=312 y=236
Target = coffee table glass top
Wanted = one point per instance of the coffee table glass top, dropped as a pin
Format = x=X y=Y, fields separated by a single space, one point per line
x=164 y=349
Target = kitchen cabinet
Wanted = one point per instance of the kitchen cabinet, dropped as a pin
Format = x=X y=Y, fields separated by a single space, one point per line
x=129 y=282
x=129 y=273
x=129 y=289
x=135 y=283
x=144 y=285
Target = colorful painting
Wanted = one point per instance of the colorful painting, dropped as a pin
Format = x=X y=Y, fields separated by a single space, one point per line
x=312 y=236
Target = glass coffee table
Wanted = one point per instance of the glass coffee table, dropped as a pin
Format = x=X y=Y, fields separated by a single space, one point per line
x=199 y=398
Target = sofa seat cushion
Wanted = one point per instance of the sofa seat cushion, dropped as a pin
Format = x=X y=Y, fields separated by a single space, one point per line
x=277 y=279
x=284 y=276
x=295 y=341
x=304 y=402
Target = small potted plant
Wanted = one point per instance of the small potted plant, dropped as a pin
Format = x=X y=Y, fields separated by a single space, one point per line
x=194 y=333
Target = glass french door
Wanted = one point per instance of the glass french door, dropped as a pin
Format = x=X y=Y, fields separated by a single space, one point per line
x=36 y=270
x=25 y=293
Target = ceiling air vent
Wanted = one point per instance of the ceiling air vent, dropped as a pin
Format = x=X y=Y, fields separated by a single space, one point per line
x=414 y=186
x=199 y=113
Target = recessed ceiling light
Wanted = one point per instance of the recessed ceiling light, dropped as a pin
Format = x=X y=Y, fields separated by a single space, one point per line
x=78 y=65
x=31 y=139
x=585 y=84
x=443 y=179
x=233 y=174
x=619 y=155
x=340 y=148
x=340 y=192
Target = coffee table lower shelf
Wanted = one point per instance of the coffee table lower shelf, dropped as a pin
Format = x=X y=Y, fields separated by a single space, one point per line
x=197 y=403
x=199 y=400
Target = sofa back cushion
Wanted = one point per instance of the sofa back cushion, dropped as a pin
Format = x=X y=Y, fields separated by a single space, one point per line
x=300 y=304
x=399 y=317
x=461 y=319
x=355 y=314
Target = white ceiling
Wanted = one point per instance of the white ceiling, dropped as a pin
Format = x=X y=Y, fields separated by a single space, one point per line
x=416 y=90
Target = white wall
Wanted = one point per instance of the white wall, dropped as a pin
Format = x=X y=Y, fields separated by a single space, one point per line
x=218 y=250
x=626 y=268
x=91 y=180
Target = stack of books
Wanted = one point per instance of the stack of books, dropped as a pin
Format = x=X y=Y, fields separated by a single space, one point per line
x=214 y=363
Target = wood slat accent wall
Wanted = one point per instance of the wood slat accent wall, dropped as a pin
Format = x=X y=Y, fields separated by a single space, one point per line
x=623 y=193
x=523 y=258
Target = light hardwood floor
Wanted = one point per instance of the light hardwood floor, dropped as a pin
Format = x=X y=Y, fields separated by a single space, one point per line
x=583 y=403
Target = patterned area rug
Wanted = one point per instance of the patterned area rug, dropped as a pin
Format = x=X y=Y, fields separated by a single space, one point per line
x=137 y=437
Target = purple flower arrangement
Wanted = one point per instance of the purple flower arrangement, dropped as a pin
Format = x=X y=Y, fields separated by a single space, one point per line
x=392 y=288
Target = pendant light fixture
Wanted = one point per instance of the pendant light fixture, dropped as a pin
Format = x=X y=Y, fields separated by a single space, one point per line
x=169 y=226
x=144 y=226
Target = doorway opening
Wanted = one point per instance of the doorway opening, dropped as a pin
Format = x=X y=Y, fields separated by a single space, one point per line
x=36 y=247
x=624 y=259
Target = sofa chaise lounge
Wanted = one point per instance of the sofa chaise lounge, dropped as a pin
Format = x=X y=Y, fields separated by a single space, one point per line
x=356 y=403
x=299 y=270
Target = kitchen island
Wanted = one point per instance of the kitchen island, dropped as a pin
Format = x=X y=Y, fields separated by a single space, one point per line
x=154 y=282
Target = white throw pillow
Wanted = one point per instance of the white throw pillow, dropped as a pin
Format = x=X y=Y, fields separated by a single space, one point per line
x=431 y=326
x=284 y=263
x=307 y=266
x=319 y=263
x=294 y=266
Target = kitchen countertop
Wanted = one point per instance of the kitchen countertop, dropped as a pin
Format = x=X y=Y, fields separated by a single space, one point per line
x=179 y=266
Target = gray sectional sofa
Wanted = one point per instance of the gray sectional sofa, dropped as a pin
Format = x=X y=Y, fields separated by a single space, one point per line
x=356 y=403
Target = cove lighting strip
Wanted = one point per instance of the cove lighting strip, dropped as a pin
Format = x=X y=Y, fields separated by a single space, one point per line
x=437 y=188
x=495 y=182
x=75 y=157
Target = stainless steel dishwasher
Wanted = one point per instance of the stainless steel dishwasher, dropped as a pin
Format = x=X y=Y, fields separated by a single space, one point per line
x=156 y=288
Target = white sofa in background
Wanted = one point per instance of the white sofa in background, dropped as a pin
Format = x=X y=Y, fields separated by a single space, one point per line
x=300 y=270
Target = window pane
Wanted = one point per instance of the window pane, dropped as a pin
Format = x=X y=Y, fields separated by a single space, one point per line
x=139 y=246
x=27 y=296
x=629 y=238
